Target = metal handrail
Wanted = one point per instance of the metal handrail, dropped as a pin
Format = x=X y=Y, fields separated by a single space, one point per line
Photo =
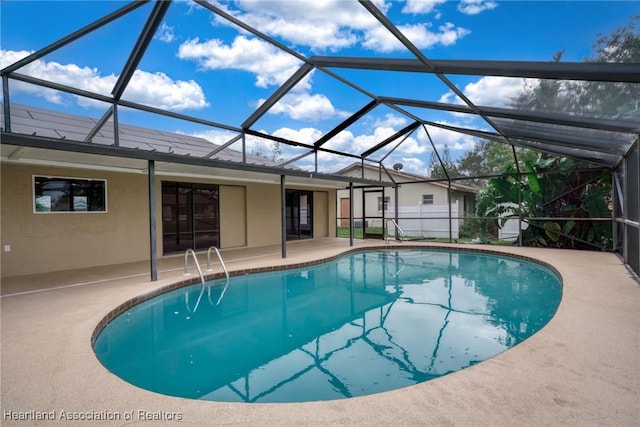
x=224 y=268
x=398 y=270
x=186 y=273
x=397 y=227
x=195 y=260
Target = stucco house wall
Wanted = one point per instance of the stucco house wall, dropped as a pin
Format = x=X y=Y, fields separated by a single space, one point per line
x=31 y=242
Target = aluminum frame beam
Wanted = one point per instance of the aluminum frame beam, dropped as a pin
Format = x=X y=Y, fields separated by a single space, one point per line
x=73 y=36
x=532 y=116
x=522 y=132
x=299 y=144
x=389 y=140
x=277 y=95
x=146 y=35
x=426 y=62
x=588 y=71
x=104 y=119
x=345 y=124
x=122 y=102
x=153 y=240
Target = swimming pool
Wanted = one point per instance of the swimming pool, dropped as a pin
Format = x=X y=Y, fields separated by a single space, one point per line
x=366 y=322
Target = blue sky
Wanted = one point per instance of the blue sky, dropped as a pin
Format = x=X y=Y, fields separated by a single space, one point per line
x=204 y=66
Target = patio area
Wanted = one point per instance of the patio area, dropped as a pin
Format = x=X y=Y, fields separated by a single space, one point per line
x=583 y=368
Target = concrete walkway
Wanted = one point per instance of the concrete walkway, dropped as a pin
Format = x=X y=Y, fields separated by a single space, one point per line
x=582 y=369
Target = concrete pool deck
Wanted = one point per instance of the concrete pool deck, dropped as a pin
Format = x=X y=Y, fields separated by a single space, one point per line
x=583 y=368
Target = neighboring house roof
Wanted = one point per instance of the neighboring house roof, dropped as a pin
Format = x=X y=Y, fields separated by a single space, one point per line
x=404 y=176
x=54 y=124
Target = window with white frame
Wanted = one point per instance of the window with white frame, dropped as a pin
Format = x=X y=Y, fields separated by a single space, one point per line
x=58 y=194
x=386 y=203
x=427 y=199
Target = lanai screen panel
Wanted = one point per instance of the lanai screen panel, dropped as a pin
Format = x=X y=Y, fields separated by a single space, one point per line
x=558 y=137
x=631 y=210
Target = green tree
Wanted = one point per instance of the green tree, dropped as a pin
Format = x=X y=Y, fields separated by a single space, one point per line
x=552 y=186
x=489 y=158
x=623 y=45
x=437 y=166
x=593 y=98
x=547 y=95
x=612 y=99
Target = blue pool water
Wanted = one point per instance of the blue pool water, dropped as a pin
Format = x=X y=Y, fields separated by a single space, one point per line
x=365 y=323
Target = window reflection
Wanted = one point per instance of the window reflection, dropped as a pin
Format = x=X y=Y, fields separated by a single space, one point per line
x=69 y=194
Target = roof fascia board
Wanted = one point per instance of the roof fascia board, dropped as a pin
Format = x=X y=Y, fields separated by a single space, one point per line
x=588 y=71
x=111 y=151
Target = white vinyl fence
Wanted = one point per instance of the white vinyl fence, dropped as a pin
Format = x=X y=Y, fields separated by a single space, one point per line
x=426 y=221
x=509 y=231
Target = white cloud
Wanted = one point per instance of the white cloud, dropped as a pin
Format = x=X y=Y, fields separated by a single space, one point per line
x=454 y=140
x=411 y=165
x=391 y=120
x=306 y=106
x=490 y=91
x=380 y=39
x=270 y=65
x=156 y=89
x=421 y=6
x=165 y=33
x=473 y=7
x=216 y=136
x=159 y=90
x=447 y=35
x=327 y=25
x=337 y=24
x=321 y=25
x=305 y=135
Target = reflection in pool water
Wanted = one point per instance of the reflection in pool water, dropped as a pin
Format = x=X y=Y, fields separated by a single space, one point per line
x=362 y=324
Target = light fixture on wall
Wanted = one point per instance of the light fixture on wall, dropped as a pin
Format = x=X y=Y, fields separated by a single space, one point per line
x=397 y=166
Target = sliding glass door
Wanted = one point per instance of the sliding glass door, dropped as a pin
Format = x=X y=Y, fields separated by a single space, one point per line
x=190 y=216
x=299 y=209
